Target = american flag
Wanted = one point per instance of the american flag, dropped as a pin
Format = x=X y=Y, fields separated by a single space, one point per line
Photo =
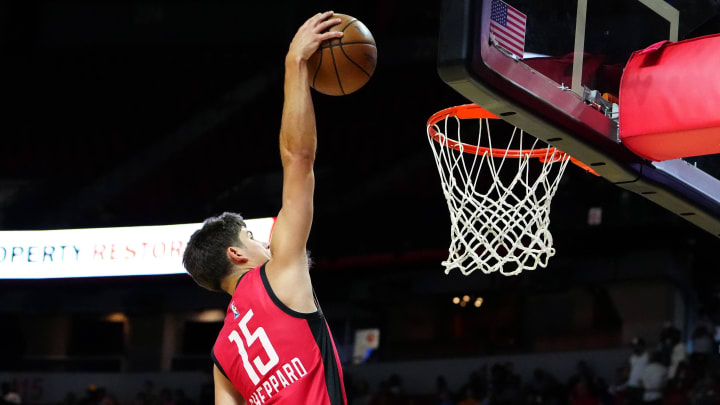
x=508 y=26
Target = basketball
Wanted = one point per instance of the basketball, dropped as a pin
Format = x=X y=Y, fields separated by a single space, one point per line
x=343 y=65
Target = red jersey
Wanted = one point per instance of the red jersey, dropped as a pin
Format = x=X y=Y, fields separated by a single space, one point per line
x=274 y=355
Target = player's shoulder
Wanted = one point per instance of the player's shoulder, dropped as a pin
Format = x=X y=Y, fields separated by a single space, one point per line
x=290 y=287
x=285 y=264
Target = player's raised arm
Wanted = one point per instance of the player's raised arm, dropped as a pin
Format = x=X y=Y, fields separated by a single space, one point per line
x=288 y=268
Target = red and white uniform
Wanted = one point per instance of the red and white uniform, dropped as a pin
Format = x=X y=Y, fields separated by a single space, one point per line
x=274 y=355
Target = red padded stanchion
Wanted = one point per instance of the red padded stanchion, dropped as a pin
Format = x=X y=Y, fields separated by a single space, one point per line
x=670 y=99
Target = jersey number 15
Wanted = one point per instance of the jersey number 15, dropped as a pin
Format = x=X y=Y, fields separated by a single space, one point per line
x=251 y=338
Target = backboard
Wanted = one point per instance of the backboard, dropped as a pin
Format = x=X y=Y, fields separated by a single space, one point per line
x=523 y=61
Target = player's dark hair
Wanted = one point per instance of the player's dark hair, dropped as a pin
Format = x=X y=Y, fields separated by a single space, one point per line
x=205 y=257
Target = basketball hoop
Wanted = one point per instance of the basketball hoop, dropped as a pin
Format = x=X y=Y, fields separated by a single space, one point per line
x=504 y=226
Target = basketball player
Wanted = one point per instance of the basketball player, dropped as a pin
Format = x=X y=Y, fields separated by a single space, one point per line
x=275 y=346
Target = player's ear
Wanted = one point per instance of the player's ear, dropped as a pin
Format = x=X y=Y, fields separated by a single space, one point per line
x=236 y=255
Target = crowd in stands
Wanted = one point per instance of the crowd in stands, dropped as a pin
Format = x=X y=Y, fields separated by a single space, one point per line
x=660 y=375
x=147 y=396
x=94 y=395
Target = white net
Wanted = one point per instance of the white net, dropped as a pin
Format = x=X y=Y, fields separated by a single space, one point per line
x=499 y=206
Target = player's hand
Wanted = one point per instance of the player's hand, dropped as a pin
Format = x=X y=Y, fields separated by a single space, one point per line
x=311 y=34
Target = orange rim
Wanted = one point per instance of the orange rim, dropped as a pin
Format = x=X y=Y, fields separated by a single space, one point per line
x=468 y=111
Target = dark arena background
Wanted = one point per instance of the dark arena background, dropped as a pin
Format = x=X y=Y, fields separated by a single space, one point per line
x=145 y=113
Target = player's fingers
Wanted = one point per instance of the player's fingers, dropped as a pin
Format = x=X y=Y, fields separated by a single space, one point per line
x=327 y=24
x=330 y=35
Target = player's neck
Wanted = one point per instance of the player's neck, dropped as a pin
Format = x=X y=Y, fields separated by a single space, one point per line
x=230 y=282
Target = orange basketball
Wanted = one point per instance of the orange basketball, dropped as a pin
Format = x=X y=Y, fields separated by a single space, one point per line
x=343 y=65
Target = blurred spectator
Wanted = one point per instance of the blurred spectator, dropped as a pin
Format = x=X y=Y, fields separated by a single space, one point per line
x=703 y=339
x=151 y=398
x=653 y=379
x=395 y=385
x=166 y=397
x=443 y=396
x=602 y=391
x=580 y=394
x=536 y=388
x=705 y=321
x=617 y=388
x=478 y=382
x=105 y=398
x=469 y=397
x=91 y=396
x=70 y=399
x=97 y=396
x=678 y=387
x=705 y=392
x=583 y=372
x=445 y=399
x=140 y=399
x=678 y=353
x=544 y=389
x=498 y=382
x=383 y=396
x=703 y=342
x=505 y=386
x=637 y=363
x=362 y=393
x=9 y=394
x=509 y=368
x=665 y=347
